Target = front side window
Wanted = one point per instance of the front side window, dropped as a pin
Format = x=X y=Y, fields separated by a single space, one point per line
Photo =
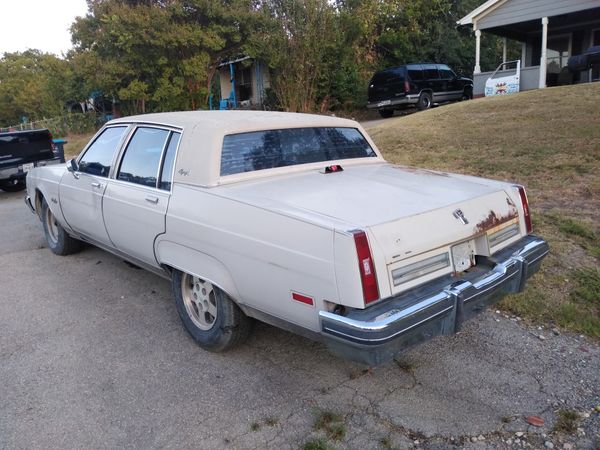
x=259 y=150
x=99 y=156
x=142 y=156
x=446 y=73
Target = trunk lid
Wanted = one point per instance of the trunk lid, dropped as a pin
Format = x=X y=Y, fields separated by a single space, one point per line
x=407 y=210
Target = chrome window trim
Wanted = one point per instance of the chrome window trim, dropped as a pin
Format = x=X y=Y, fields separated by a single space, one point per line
x=123 y=149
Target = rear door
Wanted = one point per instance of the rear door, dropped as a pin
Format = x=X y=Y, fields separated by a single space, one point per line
x=136 y=199
x=81 y=192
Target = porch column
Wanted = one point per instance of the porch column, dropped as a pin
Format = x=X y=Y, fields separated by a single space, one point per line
x=523 y=54
x=504 y=50
x=543 y=60
x=477 y=51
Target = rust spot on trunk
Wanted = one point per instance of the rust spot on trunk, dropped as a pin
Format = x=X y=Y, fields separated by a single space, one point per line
x=493 y=220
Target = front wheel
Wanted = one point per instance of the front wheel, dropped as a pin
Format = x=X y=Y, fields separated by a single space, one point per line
x=467 y=95
x=210 y=316
x=12 y=185
x=424 y=101
x=57 y=238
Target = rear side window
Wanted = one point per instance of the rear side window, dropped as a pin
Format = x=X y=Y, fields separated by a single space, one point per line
x=259 y=150
x=166 y=176
x=142 y=156
x=415 y=73
x=99 y=156
x=446 y=73
x=431 y=72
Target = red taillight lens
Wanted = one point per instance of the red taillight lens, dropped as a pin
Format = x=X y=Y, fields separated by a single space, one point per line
x=366 y=267
x=406 y=86
x=526 y=212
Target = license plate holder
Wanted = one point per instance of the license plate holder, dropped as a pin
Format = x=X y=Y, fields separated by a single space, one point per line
x=26 y=167
x=463 y=256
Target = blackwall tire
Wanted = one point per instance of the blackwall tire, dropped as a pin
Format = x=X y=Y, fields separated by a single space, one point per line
x=209 y=315
x=424 y=102
x=12 y=185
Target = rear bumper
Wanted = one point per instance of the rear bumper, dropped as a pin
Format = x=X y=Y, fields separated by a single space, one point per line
x=17 y=172
x=376 y=335
x=406 y=100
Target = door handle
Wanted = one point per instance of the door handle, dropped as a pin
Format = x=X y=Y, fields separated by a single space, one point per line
x=95 y=184
x=152 y=199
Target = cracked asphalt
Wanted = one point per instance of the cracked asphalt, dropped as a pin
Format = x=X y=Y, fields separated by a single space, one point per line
x=93 y=355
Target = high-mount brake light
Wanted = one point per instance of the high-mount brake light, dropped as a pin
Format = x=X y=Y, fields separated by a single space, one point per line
x=366 y=267
x=526 y=212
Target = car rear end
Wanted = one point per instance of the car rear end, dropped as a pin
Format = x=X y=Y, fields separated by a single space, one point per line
x=388 y=89
x=405 y=281
x=21 y=151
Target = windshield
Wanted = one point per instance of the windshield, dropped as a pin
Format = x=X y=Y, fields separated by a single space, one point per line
x=259 y=150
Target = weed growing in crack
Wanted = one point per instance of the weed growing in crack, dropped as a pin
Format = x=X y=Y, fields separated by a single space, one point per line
x=566 y=421
x=316 y=444
x=271 y=421
x=255 y=426
x=331 y=423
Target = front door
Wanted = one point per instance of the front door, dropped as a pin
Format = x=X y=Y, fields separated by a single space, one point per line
x=135 y=201
x=81 y=191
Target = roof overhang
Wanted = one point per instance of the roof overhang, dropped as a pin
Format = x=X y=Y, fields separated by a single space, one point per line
x=482 y=10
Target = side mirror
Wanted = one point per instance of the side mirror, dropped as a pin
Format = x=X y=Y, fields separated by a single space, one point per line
x=72 y=166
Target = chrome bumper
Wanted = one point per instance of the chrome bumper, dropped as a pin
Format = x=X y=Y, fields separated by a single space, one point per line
x=377 y=334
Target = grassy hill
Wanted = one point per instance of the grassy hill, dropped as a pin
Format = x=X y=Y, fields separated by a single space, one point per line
x=548 y=140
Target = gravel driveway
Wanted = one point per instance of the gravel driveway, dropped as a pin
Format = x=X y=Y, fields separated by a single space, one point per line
x=92 y=355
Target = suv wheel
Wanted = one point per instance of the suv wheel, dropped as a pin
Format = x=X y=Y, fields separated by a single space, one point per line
x=467 y=95
x=12 y=185
x=424 y=101
x=386 y=113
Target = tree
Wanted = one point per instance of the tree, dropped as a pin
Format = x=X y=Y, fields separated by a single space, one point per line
x=33 y=84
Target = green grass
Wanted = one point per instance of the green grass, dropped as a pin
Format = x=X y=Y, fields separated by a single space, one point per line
x=548 y=140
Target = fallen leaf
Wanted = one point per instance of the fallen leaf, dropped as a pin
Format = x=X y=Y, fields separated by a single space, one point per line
x=535 y=421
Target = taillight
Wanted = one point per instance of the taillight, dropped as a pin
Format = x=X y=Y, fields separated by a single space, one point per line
x=526 y=212
x=366 y=267
x=406 y=86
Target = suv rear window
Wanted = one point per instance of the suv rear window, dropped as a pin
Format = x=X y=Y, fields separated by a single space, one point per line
x=388 y=76
x=259 y=150
x=415 y=73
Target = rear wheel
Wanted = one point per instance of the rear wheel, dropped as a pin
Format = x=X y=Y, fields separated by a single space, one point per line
x=386 y=113
x=424 y=101
x=56 y=237
x=12 y=185
x=210 y=316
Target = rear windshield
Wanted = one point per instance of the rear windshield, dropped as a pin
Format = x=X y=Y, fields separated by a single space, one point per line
x=388 y=76
x=259 y=150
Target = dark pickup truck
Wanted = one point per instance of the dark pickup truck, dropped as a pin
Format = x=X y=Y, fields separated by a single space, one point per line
x=21 y=151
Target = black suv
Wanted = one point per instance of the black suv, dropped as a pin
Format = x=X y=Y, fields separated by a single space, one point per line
x=416 y=84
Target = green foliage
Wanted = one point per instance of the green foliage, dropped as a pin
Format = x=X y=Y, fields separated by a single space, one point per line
x=157 y=55
x=32 y=85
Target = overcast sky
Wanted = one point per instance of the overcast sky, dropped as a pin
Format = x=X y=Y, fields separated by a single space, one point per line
x=41 y=24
